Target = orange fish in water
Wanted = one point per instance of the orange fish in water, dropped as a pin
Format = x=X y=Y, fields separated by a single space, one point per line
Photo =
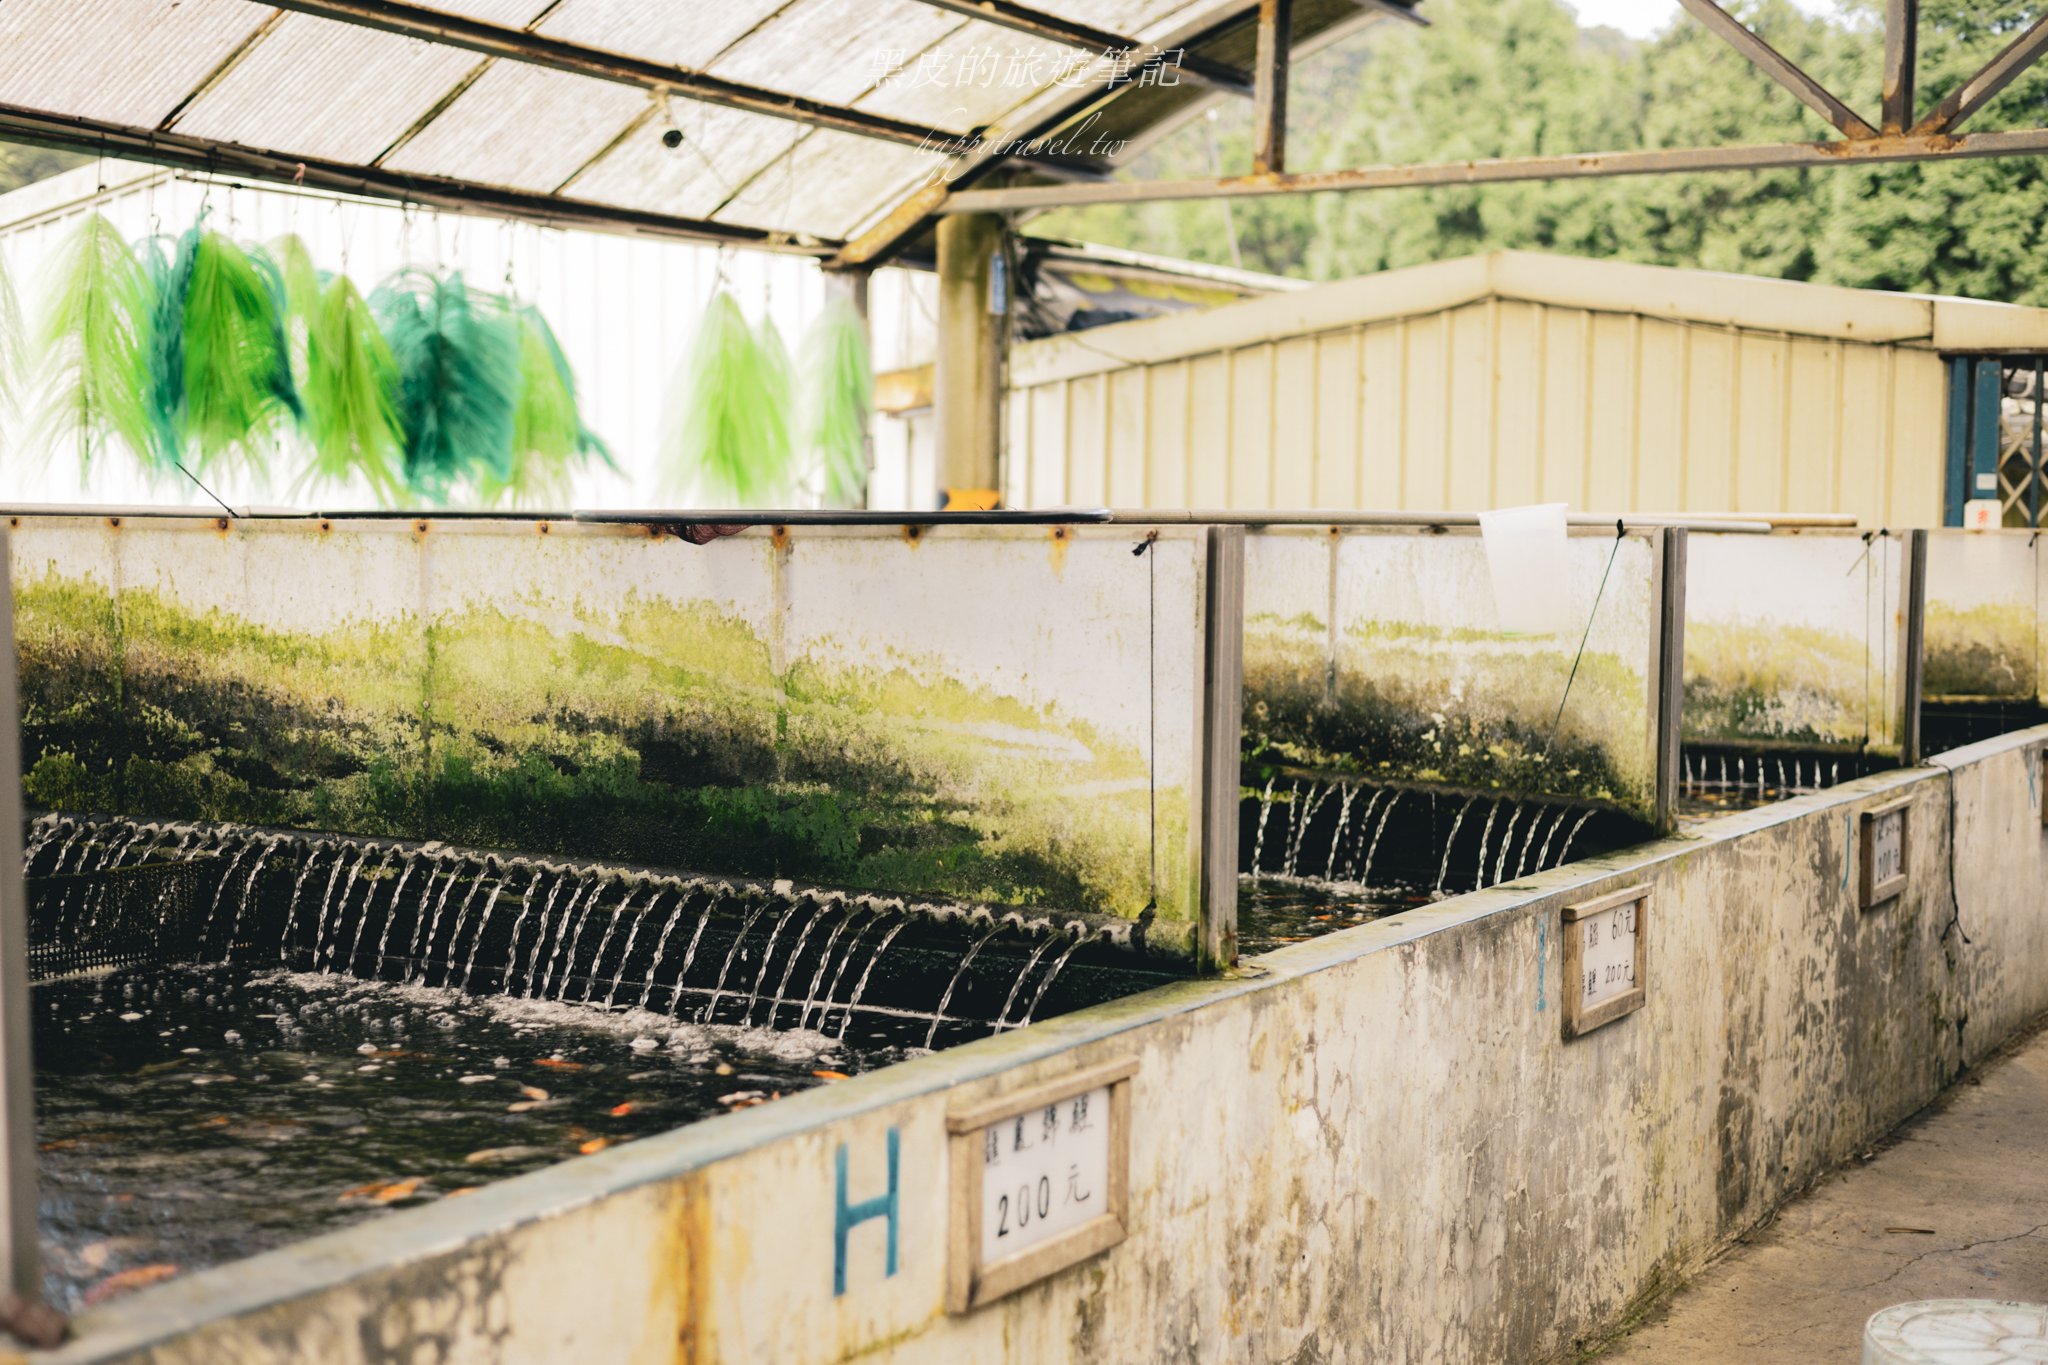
x=384 y=1191
x=620 y=1111
x=830 y=1075
x=558 y=1064
x=594 y=1145
x=121 y=1282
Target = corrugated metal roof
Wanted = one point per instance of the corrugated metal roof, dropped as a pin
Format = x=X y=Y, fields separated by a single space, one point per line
x=494 y=109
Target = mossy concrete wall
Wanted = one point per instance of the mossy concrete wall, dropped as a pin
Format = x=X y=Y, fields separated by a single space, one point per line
x=1796 y=641
x=1984 y=604
x=1374 y=1147
x=999 y=714
x=1379 y=654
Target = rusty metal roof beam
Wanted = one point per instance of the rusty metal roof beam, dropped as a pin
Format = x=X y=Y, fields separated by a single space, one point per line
x=1779 y=68
x=1102 y=42
x=1901 y=61
x=1587 y=165
x=520 y=45
x=94 y=137
x=1978 y=91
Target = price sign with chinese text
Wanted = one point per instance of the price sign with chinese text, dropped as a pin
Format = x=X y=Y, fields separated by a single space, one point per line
x=1884 y=853
x=1040 y=1182
x=1604 y=959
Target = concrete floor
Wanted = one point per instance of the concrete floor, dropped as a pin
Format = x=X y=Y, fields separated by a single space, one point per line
x=1952 y=1205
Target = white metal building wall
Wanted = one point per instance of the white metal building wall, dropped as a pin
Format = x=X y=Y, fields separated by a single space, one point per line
x=1506 y=379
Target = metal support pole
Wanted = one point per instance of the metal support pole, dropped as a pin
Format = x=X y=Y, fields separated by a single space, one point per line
x=967 y=380
x=1669 y=713
x=1269 y=96
x=1914 y=647
x=1222 y=743
x=1901 y=58
x=17 y=1084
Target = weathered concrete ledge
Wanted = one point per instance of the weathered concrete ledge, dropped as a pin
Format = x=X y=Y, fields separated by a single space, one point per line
x=1372 y=1147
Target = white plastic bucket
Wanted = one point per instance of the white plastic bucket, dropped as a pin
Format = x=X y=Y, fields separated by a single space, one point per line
x=1525 y=551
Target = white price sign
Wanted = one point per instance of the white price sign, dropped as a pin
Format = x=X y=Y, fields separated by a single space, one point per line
x=1884 y=853
x=1039 y=1182
x=1604 y=959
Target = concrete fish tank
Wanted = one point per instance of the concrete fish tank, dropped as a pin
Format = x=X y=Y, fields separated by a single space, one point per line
x=373 y=860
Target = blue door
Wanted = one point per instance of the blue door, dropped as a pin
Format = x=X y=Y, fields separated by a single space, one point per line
x=1994 y=436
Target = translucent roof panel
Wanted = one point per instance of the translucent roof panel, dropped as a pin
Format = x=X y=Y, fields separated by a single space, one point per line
x=680 y=34
x=722 y=149
x=522 y=126
x=347 y=93
x=511 y=13
x=830 y=184
x=834 y=50
x=1132 y=18
x=208 y=77
x=125 y=61
x=969 y=77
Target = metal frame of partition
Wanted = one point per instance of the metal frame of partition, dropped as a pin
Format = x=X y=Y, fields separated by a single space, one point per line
x=17 y=1061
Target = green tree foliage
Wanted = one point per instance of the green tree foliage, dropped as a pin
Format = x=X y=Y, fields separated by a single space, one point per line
x=1503 y=78
x=21 y=164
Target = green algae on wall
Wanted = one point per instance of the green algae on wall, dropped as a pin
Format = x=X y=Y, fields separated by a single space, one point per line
x=1986 y=651
x=1792 y=685
x=650 y=730
x=1415 y=682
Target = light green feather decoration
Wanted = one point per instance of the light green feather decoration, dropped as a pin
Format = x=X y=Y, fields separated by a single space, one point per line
x=14 y=361
x=835 y=398
x=549 y=439
x=730 y=435
x=91 y=337
x=350 y=392
x=238 y=382
x=304 y=289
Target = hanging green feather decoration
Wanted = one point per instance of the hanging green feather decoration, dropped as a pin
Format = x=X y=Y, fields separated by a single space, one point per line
x=168 y=268
x=730 y=436
x=835 y=399
x=303 y=292
x=238 y=384
x=549 y=439
x=14 y=366
x=351 y=393
x=458 y=389
x=91 y=335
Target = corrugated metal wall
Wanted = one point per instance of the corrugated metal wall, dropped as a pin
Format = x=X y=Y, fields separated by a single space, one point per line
x=1490 y=402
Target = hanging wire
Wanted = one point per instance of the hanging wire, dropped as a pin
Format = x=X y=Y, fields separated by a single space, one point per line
x=1620 y=534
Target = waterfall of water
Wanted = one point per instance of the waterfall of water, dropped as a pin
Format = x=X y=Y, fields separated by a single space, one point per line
x=1485 y=836
x=1259 y=839
x=939 y=1015
x=1365 y=875
x=1565 y=854
x=1337 y=837
x=1507 y=842
x=861 y=989
x=1445 y=870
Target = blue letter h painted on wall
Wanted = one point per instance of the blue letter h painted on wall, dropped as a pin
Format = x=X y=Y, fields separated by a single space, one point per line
x=846 y=1217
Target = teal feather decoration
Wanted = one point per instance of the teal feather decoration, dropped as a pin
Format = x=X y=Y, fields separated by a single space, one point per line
x=458 y=381
x=168 y=266
x=91 y=336
x=730 y=436
x=238 y=383
x=350 y=390
x=836 y=397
